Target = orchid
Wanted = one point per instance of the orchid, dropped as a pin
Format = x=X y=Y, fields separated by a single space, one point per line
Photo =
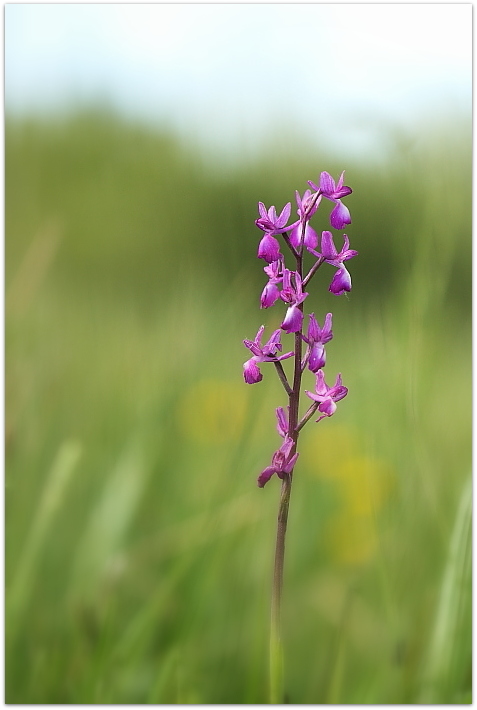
x=268 y=222
x=271 y=292
x=316 y=339
x=302 y=232
x=342 y=280
x=340 y=215
x=282 y=462
x=327 y=396
x=267 y=353
x=294 y=297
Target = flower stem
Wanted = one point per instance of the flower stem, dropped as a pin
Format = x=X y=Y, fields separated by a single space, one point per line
x=308 y=415
x=312 y=271
x=283 y=377
x=276 y=650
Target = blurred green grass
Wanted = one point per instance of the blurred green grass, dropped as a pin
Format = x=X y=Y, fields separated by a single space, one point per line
x=138 y=548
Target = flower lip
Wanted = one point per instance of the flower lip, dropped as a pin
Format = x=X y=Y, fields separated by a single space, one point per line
x=269 y=248
x=342 y=280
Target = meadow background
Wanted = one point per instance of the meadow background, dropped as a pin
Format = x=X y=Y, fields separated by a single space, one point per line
x=138 y=547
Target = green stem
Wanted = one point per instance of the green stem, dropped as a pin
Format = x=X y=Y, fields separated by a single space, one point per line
x=276 y=649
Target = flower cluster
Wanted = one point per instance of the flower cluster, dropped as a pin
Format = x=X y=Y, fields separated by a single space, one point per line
x=288 y=285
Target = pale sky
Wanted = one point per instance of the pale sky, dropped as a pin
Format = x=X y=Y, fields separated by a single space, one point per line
x=230 y=74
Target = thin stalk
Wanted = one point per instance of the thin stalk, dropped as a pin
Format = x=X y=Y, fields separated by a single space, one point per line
x=312 y=271
x=283 y=377
x=287 y=241
x=308 y=415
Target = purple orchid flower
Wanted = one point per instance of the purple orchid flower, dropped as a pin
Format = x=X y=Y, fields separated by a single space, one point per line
x=271 y=292
x=302 y=232
x=293 y=297
x=342 y=279
x=267 y=353
x=268 y=222
x=316 y=339
x=340 y=215
x=282 y=463
x=327 y=396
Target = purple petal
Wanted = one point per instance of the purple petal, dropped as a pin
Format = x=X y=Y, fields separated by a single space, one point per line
x=285 y=448
x=338 y=381
x=349 y=254
x=285 y=356
x=340 y=216
x=342 y=192
x=253 y=347
x=290 y=464
x=273 y=343
x=328 y=407
x=313 y=329
x=321 y=387
x=295 y=235
x=312 y=395
x=293 y=320
x=311 y=238
x=273 y=270
x=317 y=358
x=327 y=333
x=265 y=476
x=328 y=249
x=251 y=372
x=282 y=422
x=269 y=249
x=299 y=200
x=258 y=337
x=284 y=215
x=338 y=393
x=341 y=282
x=327 y=184
x=262 y=210
x=270 y=294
